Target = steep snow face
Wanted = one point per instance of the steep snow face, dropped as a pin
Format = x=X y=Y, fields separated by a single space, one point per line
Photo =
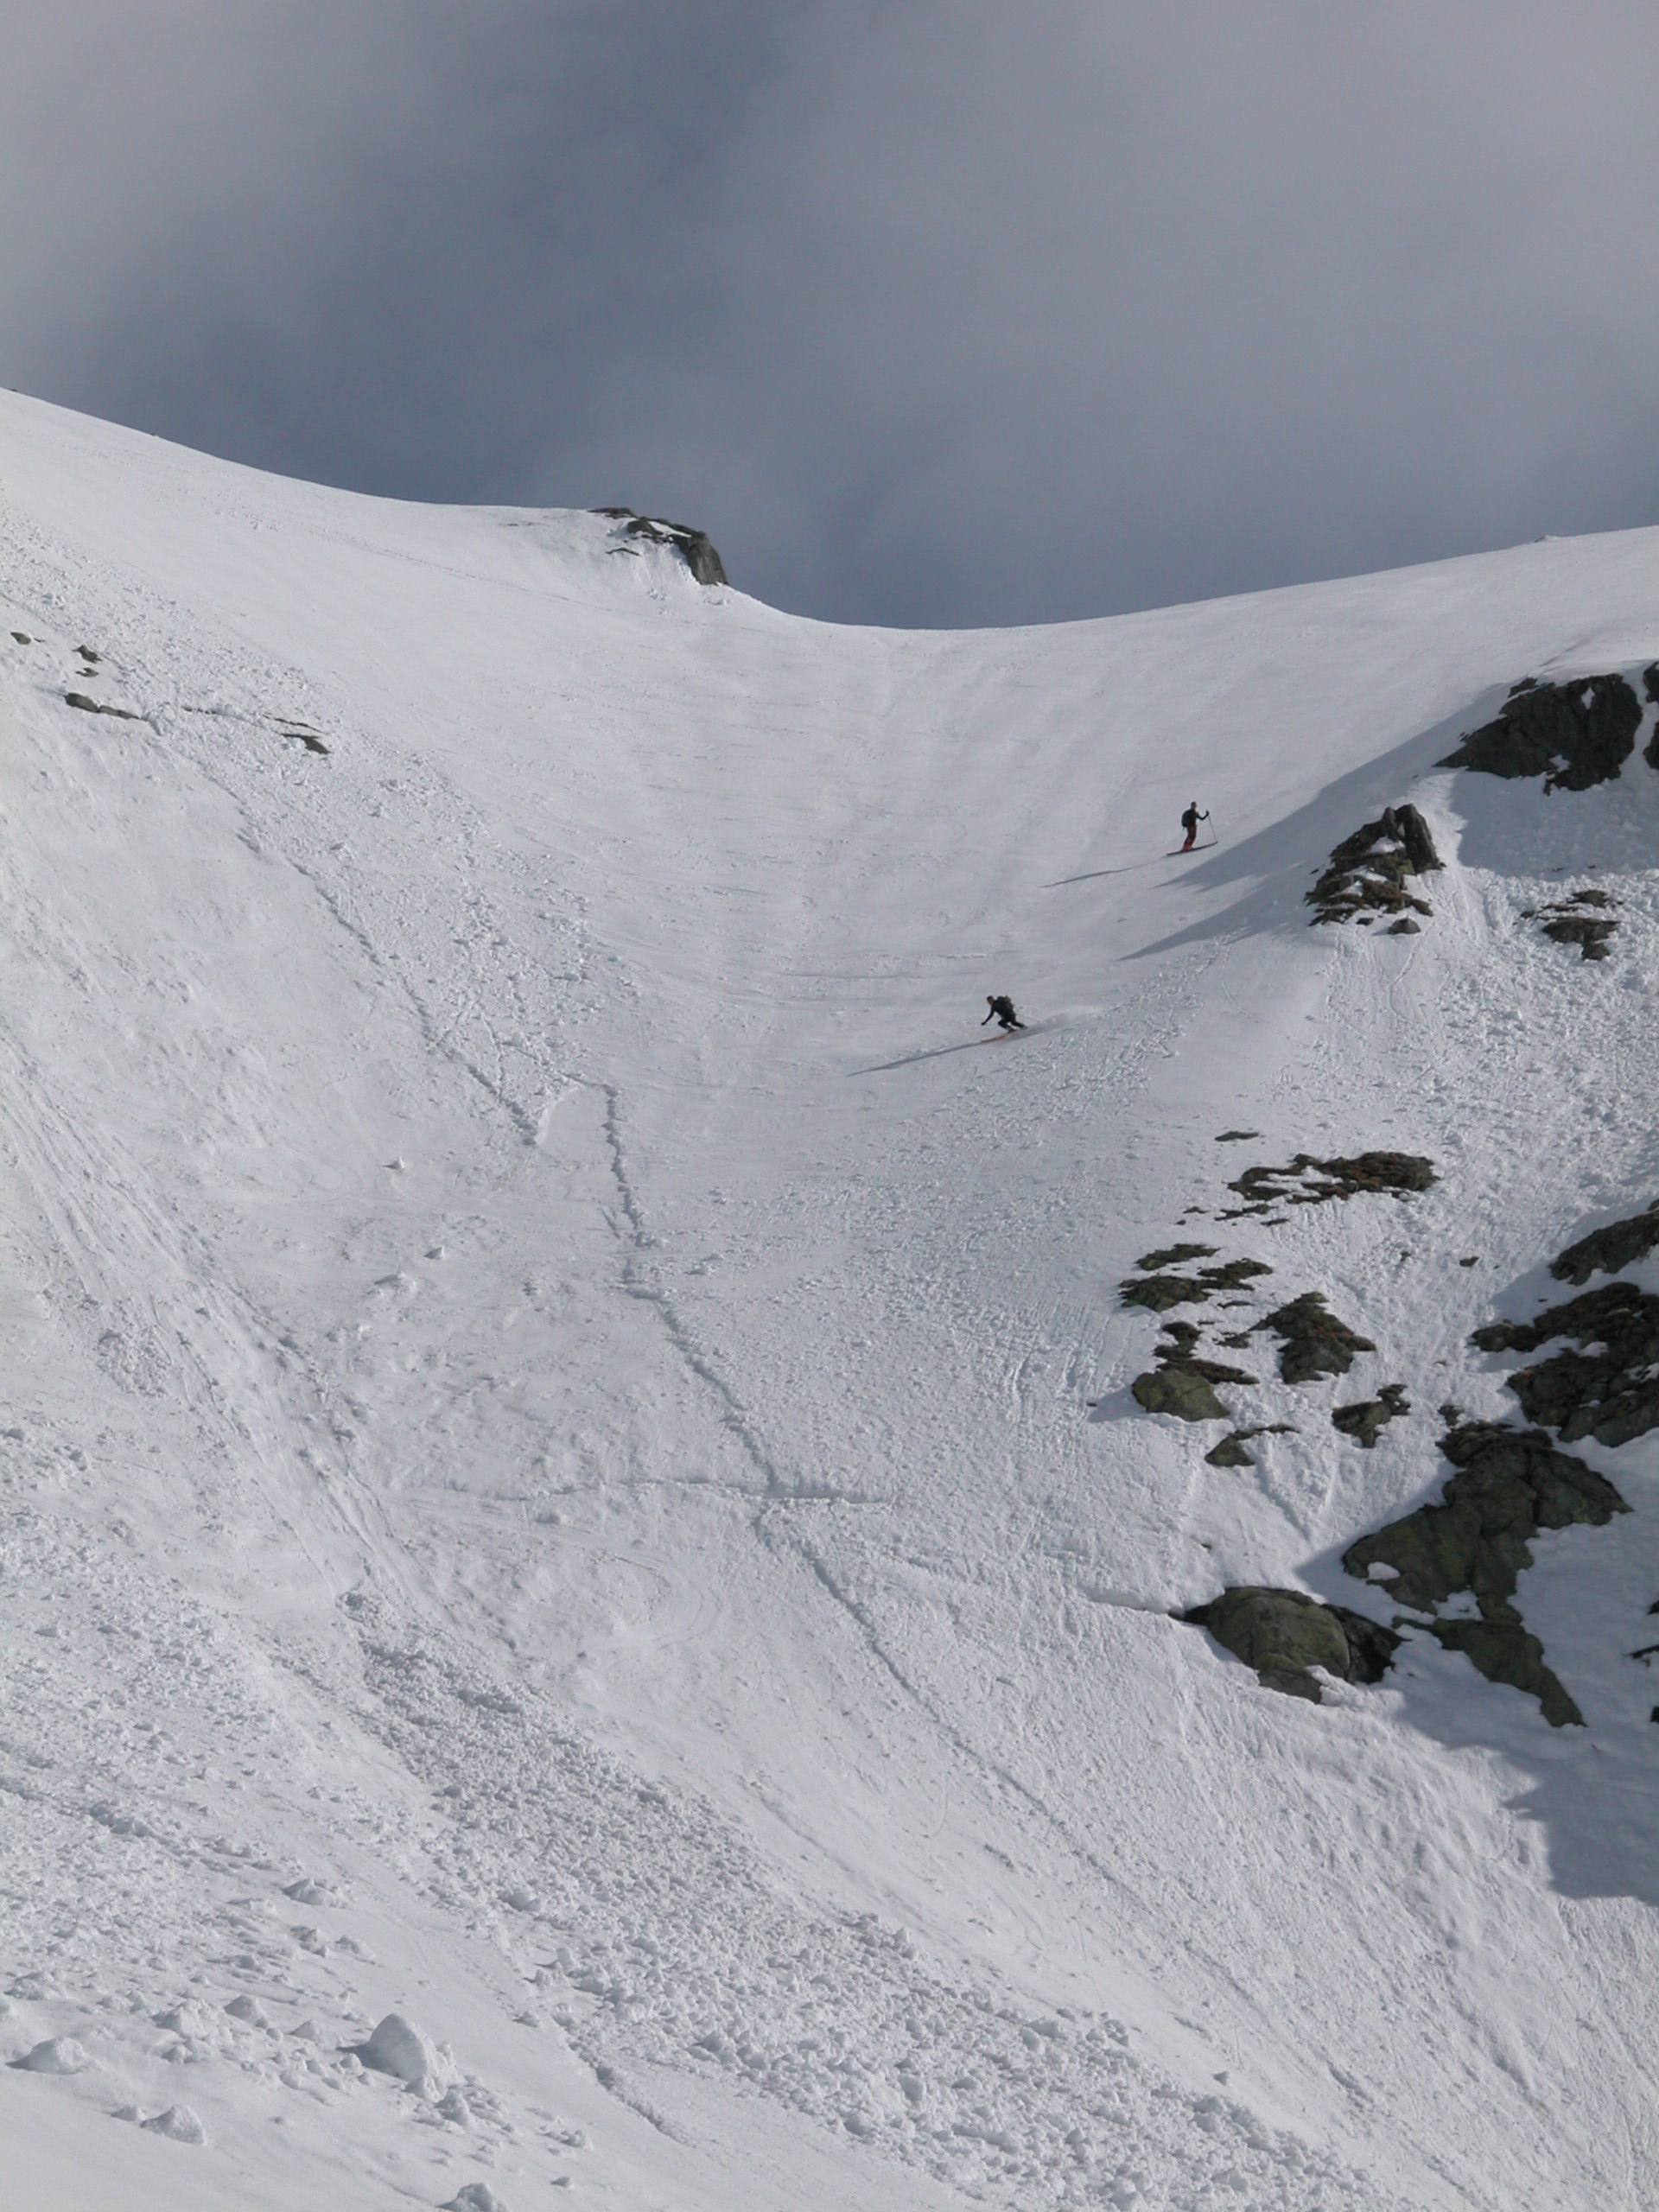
x=575 y=1515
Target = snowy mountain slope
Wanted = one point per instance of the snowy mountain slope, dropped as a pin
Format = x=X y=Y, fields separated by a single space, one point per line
x=569 y=1466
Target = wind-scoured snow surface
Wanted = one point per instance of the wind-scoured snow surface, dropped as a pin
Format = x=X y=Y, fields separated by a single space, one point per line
x=568 y=1473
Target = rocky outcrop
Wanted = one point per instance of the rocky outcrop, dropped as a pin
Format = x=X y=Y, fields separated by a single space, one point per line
x=1650 y=685
x=1504 y=1652
x=1158 y=1292
x=1581 y=918
x=1475 y=1541
x=1310 y=1182
x=1364 y=1421
x=1611 y=1392
x=1607 y=1251
x=1368 y=872
x=1572 y=734
x=1315 y=1342
x=92 y=707
x=1231 y=1451
x=1285 y=1635
x=693 y=546
x=1182 y=1383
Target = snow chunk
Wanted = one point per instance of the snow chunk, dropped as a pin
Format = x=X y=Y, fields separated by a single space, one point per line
x=399 y=2048
x=58 y=2055
x=477 y=2197
x=178 y=2123
x=309 y=1890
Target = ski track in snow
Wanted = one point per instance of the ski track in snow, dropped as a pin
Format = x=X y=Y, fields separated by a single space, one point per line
x=549 y=1478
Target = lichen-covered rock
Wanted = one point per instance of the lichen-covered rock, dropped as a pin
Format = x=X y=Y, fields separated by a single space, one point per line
x=1605 y=1251
x=1367 y=872
x=1364 y=1421
x=1231 y=1451
x=1580 y=918
x=1612 y=1393
x=1285 y=1635
x=1315 y=1342
x=1173 y=1256
x=1310 y=1182
x=693 y=546
x=1509 y=1484
x=1179 y=1390
x=1182 y=1382
x=1504 y=1652
x=1572 y=734
x=1158 y=1292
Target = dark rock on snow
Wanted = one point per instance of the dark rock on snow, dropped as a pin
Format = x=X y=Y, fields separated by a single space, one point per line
x=1310 y=1182
x=1237 y=1136
x=1363 y=1421
x=1573 y=735
x=1505 y=1652
x=1580 y=918
x=1179 y=1390
x=1285 y=1634
x=1315 y=1342
x=1231 y=1451
x=1158 y=1292
x=1509 y=1484
x=1174 y=1256
x=1367 y=872
x=1611 y=1393
x=90 y=707
x=1607 y=1250
x=1182 y=1381
x=693 y=546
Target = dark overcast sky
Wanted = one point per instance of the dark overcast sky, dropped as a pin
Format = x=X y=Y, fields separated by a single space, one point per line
x=928 y=313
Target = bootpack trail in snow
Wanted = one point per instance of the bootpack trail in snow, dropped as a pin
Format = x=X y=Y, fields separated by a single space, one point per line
x=615 y=1577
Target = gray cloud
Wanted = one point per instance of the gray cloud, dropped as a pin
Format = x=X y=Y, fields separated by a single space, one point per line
x=945 y=312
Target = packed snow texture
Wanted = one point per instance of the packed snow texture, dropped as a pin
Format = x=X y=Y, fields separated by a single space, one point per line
x=586 y=1601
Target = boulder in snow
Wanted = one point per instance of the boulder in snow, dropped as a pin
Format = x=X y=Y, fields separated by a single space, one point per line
x=1572 y=734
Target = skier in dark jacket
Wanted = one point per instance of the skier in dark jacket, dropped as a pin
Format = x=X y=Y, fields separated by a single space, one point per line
x=1003 y=1011
x=1190 y=822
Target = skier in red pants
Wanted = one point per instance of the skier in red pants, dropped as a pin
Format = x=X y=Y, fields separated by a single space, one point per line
x=1190 y=822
